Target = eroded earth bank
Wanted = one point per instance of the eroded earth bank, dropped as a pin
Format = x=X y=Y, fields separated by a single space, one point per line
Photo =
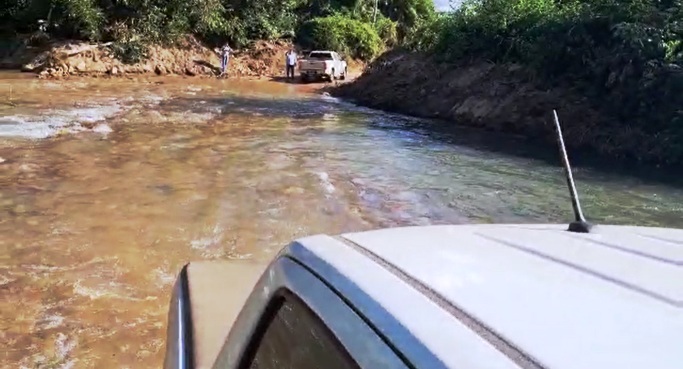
x=187 y=57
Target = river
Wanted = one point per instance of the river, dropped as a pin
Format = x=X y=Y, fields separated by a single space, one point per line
x=107 y=187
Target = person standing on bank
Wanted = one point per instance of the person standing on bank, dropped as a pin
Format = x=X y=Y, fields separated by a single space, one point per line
x=290 y=59
x=226 y=50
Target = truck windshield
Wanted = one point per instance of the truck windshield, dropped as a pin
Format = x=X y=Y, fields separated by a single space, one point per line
x=320 y=55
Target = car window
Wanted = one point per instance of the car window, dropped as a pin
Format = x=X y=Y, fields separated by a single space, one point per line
x=320 y=55
x=295 y=338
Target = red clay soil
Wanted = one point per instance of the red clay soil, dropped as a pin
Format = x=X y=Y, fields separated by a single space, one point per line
x=189 y=57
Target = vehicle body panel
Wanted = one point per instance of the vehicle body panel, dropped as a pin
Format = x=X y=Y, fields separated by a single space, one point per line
x=207 y=298
x=483 y=296
x=284 y=274
x=570 y=300
x=427 y=335
x=219 y=290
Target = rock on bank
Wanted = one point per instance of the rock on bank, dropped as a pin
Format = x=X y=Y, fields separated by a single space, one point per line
x=502 y=98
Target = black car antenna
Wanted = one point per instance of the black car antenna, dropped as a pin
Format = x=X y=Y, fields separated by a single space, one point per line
x=579 y=225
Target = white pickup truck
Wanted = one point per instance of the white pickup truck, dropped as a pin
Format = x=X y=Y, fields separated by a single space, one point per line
x=438 y=297
x=322 y=65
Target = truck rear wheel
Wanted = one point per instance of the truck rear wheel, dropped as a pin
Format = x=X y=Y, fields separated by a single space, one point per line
x=343 y=76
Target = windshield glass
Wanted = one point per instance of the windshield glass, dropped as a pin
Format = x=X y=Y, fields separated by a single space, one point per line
x=320 y=55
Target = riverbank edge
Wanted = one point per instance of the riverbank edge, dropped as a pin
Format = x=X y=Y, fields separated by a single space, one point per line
x=56 y=59
x=501 y=98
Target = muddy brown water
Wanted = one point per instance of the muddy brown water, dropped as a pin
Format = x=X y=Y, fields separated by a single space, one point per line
x=107 y=187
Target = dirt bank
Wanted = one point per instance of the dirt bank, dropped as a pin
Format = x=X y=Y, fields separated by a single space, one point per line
x=188 y=57
x=498 y=98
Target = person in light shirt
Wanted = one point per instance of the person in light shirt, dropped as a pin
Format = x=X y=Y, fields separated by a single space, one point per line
x=290 y=59
x=226 y=50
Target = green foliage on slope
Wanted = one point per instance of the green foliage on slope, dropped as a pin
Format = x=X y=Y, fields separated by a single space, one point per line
x=218 y=21
x=625 y=55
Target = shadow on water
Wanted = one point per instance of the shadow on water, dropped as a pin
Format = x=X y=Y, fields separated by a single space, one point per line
x=421 y=129
x=283 y=79
x=520 y=146
x=298 y=81
x=529 y=148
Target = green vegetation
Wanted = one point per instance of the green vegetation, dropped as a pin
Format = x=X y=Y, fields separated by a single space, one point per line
x=344 y=34
x=557 y=37
x=361 y=28
x=625 y=56
x=130 y=51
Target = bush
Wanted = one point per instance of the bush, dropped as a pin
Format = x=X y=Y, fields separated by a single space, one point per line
x=387 y=31
x=355 y=26
x=425 y=35
x=342 y=34
x=625 y=55
x=130 y=52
